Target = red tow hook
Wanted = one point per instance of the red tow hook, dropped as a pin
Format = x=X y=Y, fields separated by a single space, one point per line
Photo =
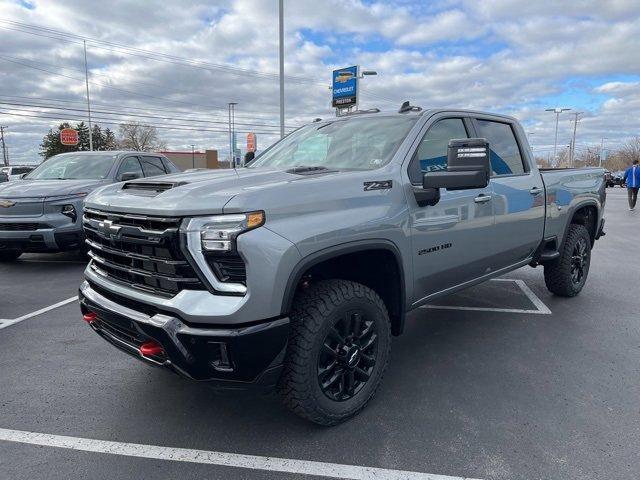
x=151 y=349
x=89 y=317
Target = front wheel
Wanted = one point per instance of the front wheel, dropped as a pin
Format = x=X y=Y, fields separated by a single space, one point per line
x=337 y=353
x=10 y=255
x=567 y=275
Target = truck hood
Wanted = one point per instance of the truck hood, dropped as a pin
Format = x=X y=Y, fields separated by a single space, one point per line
x=47 y=188
x=203 y=192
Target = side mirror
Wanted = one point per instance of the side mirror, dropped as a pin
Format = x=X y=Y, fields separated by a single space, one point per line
x=127 y=176
x=23 y=175
x=468 y=166
x=249 y=156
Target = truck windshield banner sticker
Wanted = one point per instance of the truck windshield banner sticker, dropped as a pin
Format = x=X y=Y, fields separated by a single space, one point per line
x=344 y=87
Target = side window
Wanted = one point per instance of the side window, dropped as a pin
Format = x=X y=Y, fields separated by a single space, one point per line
x=169 y=167
x=130 y=165
x=505 y=154
x=152 y=166
x=431 y=154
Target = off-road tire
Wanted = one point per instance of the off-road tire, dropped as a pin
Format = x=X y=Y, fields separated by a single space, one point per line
x=9 y=255
x=315 y=312
x=558 y=273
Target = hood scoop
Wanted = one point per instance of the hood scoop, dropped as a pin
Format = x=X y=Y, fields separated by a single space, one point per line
x=150 y=189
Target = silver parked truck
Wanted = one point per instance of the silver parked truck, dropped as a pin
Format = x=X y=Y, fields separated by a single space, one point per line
x=43 y=211
x=295 y=271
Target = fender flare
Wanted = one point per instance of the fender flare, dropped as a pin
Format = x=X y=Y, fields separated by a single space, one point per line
x=336 y=251
x=572 y=212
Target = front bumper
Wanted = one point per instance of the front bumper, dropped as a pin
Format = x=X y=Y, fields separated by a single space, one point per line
x=54 y=233
x=242 y=356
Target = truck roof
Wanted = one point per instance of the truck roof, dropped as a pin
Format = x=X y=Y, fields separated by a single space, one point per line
x=425 y=112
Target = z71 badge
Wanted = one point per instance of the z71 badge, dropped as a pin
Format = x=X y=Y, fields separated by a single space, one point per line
x=379 y=185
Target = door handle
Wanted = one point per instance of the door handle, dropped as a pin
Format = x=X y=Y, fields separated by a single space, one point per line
x=482 y=198
x=535 y=191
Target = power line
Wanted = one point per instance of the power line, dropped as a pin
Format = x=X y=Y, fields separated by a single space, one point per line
x=110 y=122
x=163 y=57
x=158 y=117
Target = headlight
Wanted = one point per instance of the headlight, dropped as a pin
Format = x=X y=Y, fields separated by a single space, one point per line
x=218 y=233
x=70 y=211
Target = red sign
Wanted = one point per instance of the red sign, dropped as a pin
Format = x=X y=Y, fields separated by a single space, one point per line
x=69 y=136
x=252 y=142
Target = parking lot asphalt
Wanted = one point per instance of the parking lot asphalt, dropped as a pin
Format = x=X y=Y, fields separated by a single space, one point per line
x=492 y=386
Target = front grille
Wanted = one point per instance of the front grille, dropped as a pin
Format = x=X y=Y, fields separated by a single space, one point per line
x=139 y=251
x=18 y=227
x=228 y=268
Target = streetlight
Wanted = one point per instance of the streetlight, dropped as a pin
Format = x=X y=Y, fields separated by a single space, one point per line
x=557 y=111
x=601 y=151
x=368 y=73
x=193 y=156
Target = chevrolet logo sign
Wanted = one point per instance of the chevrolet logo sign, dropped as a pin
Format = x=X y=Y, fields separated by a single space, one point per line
x=6 y=203
x=107 y=227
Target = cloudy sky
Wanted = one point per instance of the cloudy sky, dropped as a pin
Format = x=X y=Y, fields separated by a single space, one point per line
x=176 y=65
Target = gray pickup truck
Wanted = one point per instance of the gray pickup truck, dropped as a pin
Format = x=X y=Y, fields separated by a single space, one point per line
x=296 y=270
x=42 y=212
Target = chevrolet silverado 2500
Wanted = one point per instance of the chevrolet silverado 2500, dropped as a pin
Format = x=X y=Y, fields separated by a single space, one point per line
x=296 y=270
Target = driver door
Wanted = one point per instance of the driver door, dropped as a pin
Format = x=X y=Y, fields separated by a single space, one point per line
x=451 y=240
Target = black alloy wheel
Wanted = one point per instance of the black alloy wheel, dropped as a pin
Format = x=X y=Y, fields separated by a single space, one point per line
x=579 y=260
x=348 y=356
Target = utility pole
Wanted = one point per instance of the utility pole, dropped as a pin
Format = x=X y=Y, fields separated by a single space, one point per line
x=572 y=152
x=193 y=156
x=281 y=31
x=557 y=111
x=86 y=81
x=5 y=159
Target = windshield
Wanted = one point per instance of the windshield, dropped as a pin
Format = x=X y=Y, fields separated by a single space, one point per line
x=345 y=143
x=74 y=166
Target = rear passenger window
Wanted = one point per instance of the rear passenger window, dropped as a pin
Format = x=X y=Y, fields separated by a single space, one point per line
x=431 y=155
x=505 y=154
x=152 y=166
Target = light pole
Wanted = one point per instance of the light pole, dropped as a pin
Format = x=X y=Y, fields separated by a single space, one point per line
x=5 y=157
x=281 y=54
x=232 y=160
x=573 y=142
x=557 y=111
x=86 y=81
x=193 y=156
x=601 y=151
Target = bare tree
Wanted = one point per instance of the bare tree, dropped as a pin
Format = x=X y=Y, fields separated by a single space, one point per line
x=139 y=137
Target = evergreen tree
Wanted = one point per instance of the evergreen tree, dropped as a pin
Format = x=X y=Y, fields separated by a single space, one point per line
x=102 y=140
x=83 y=136
x=51 y=144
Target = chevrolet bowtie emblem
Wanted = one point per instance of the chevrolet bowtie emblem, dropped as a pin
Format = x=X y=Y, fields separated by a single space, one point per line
x=107 y=226
x=6 y=203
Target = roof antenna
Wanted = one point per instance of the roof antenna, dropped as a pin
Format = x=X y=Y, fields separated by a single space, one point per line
x=407 y=107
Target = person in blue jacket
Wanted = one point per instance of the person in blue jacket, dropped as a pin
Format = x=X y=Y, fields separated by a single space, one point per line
x=632 y=179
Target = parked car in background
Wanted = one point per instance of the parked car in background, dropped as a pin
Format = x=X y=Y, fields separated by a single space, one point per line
x=608 y=178
x=617 y=179
x=14 y=172
x=43 y=212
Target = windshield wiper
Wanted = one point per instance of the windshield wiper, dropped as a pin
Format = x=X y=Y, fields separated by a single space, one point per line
x=309 y=169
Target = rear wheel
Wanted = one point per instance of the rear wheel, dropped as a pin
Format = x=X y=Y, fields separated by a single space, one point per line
x=337 y=353
x=567 y=275
x=9 y=255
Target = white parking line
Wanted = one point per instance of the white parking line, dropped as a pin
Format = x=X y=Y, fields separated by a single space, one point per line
x=252 y=462
x=541 y=308
x=7 y=323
